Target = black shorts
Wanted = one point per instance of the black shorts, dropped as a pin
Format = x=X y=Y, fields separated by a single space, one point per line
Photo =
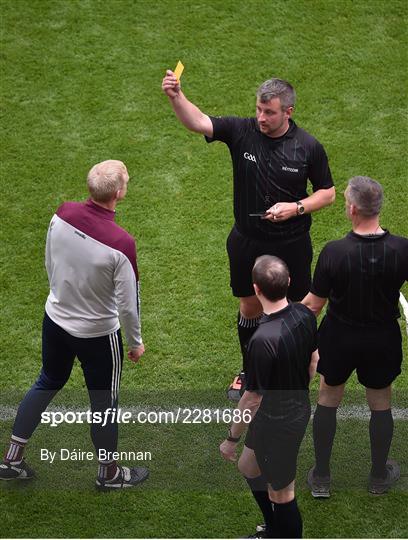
x=375 y=353
x=276 y=447
x=243 y=250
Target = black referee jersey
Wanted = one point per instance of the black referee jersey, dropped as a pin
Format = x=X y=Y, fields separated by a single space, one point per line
x=269 y=170
x=361 y=276
x=278 y=360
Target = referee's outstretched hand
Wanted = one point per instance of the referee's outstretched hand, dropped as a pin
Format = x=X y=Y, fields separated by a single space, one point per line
x=170 y=85
x=228 y=450
x=135 y=354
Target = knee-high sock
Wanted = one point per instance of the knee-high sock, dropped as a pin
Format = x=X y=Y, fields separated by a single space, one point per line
x=324 y=430
x=381 y=430
x=259 y=489
x=246 y=328
x=288 y=521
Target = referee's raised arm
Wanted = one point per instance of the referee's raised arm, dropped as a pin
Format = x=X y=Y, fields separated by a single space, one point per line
x=188 y=113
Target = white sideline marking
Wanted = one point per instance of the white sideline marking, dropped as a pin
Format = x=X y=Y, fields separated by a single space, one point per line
x=357 y=412
x=347 y=412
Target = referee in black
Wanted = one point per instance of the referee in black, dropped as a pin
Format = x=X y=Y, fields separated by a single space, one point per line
x=281 y=360
x=272 y=160
x=361 y=276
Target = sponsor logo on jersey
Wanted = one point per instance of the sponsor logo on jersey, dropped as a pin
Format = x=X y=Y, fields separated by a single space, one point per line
x=250 y=157
x=289 y=169
x=80 y=234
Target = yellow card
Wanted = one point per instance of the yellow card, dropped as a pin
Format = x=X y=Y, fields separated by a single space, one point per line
x=179 y=70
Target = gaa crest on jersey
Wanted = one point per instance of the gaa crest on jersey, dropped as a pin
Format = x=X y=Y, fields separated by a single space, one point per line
x=249 y=157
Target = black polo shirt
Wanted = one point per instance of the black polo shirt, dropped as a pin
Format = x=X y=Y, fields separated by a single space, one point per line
x=361 y=276
x=278 y=361
x=269 y=170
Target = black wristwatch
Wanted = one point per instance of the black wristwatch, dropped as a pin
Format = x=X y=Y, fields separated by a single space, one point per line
x=300 y=208
x=230 y=438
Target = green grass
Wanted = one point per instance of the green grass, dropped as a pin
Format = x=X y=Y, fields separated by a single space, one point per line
x=80 y=82
x=193 y=493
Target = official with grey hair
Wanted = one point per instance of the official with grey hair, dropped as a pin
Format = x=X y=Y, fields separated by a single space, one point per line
x=94 y=285
x=273 y=159
x=360 y=276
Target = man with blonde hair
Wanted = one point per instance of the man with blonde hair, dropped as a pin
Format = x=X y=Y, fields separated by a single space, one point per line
x=94 y=281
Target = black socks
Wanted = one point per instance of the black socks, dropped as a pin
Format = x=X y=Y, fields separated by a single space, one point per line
x=324 y=430
x=381 y=429
x=282 y=520
x=246 y=328
x=259 y=490
x=287 y=520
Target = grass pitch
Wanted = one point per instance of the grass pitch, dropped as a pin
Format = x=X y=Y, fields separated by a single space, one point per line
x=80 y=82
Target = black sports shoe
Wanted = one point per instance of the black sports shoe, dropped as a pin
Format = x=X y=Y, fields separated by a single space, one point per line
x=12 y=471
x=378 y=486
x=260 y=532
x=319 y=485
x=237 y=387
x=126 y=478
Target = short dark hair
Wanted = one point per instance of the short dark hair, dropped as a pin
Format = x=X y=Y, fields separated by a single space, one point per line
x=366 y=194
x=271 y=275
